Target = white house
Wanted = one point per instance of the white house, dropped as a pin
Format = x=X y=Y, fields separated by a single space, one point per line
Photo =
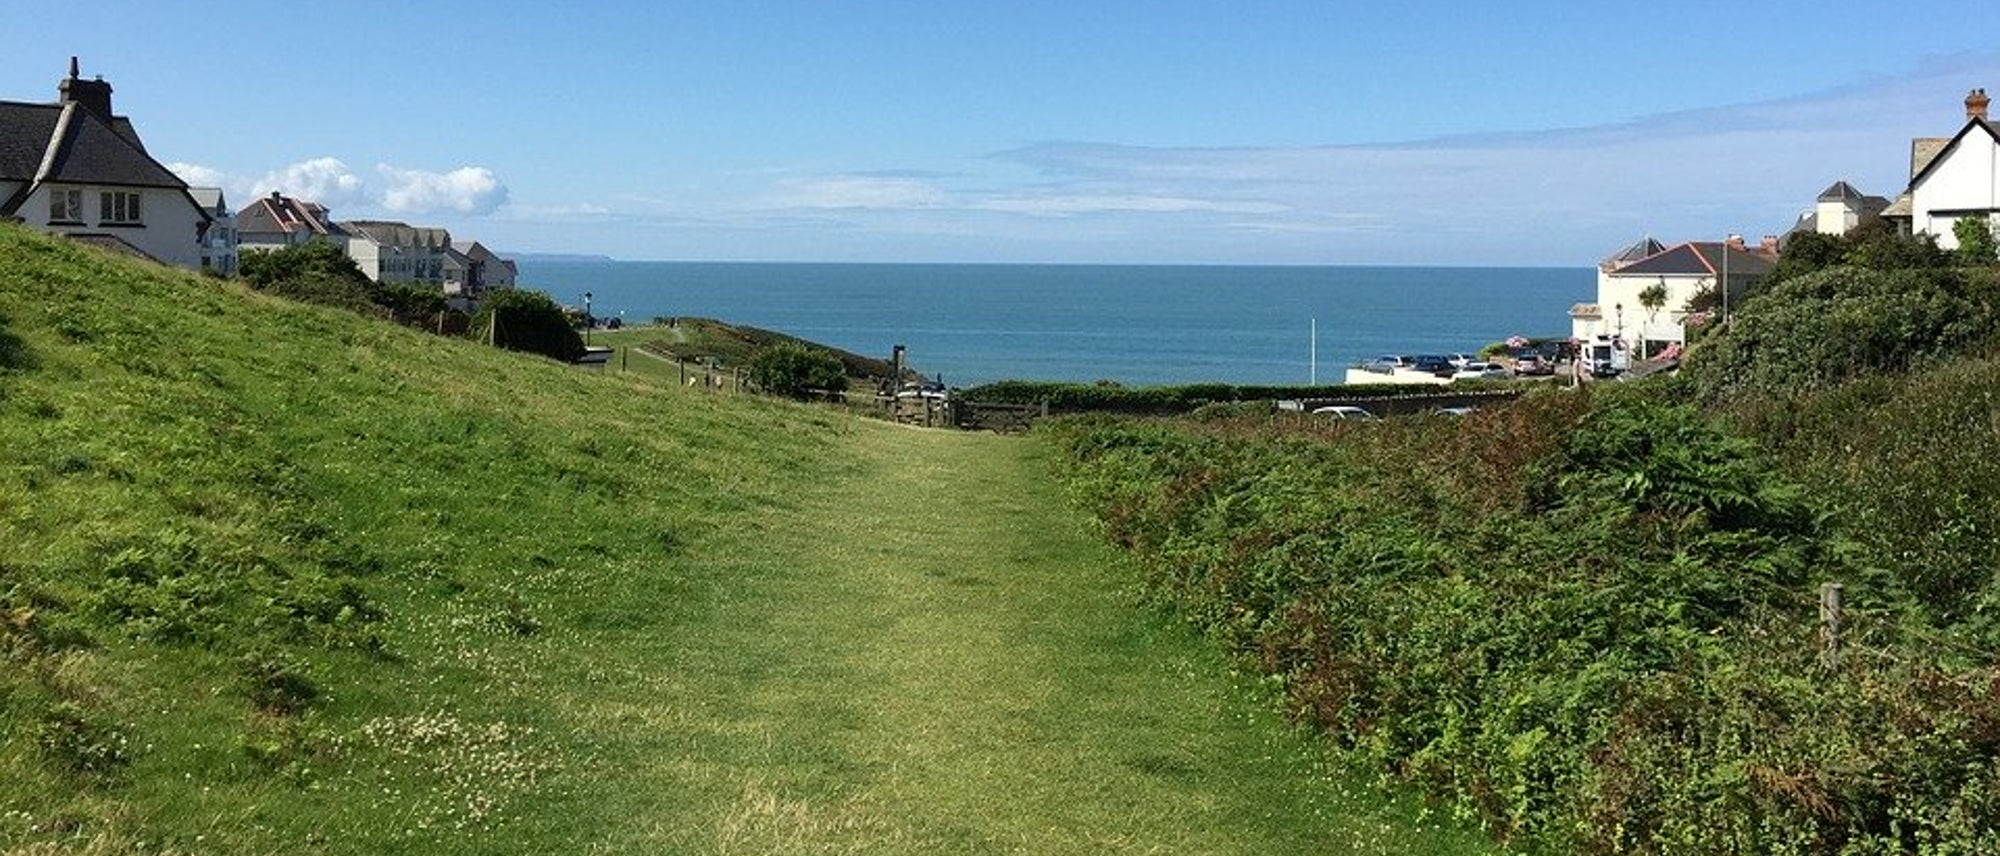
x=471 y=270
x=218 y=241
x=1840 y=209
x=1953 y=178
x=278 y=221
x=389 y=251
x=1682 y=271
x=74 y=168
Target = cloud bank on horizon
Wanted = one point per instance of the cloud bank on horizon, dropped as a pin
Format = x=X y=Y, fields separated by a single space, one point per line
x=1562 y=196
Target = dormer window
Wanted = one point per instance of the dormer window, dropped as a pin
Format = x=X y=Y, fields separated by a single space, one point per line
x=65 y=206
x=117 y=206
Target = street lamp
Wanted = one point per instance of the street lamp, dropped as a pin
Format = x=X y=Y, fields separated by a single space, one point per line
x=586 y=319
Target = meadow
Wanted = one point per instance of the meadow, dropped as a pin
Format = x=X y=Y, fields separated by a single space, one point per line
x=276 y=578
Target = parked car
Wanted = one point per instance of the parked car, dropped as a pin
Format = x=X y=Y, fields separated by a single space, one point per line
x=1528 y=362
x=1461 y=360
x=1344 y=411
x=1453 y=411
x=1436 y=364
x=1482 y=371
x=1387 y=363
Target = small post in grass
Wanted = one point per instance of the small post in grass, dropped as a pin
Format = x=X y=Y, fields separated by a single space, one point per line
x=1829 y=624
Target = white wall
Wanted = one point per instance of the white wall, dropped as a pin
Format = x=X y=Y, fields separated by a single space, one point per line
x=1966 y=178
x=168 y=220
x=1662 y=326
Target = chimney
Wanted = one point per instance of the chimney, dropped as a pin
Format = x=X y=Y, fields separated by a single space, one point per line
x=91 y=95
x=1734 y=242
x=1768 y=246
x=1975 y=104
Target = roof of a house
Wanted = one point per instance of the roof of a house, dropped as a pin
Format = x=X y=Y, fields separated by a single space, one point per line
x=1924 y=150
x=391 y=233
x=280 y=213
x=207 y=197
x=1841 y=191
x=111 y=243
x=66 y=143
x=1699 y=258
x=1637 y=250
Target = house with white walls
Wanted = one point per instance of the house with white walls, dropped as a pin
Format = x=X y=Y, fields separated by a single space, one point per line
x=471 y=270
x=218 y=240
x=392 y=251
x=1953 y=178
x=1682 y=272
x=1840 y=209
x=75 y=168
x=278 y=221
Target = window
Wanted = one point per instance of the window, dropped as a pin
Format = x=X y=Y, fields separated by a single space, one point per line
x=65 y=206
x=117 y=207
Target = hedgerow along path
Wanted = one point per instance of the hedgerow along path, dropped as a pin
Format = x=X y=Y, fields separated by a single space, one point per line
x=928 y=654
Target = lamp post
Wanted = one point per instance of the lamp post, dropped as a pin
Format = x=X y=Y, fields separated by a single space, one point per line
x=1621 y=318
x=586 y=319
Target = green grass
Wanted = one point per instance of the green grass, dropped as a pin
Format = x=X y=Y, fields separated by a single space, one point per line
x=276 y=579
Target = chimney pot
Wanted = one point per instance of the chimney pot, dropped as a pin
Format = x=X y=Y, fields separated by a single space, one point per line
x=1975 y=104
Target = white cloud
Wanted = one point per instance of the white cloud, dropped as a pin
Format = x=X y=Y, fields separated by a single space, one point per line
x=466 y=190
x=1059 y=205
x=325 y=180
x=197 y=175
x=858 y=191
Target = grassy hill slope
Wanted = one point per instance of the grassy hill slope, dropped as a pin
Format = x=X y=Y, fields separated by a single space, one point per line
x=257 y=558
x=278 y=579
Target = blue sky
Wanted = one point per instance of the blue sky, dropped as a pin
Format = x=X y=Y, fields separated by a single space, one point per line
x=1523 y=133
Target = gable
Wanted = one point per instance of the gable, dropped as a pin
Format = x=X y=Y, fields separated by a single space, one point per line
x=1951 y=148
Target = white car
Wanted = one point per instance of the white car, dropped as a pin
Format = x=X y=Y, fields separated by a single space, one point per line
x=1344 y=411
x=1475 y=371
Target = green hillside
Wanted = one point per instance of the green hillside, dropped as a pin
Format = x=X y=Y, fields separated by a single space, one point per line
x=275 y=578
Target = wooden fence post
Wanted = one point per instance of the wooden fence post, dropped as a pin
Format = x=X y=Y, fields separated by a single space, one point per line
x=1829 y=624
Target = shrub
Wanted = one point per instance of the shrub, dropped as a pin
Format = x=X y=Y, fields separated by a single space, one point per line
x=1819 y=329
x=1616 y=661
x=79 y=740
x=530 y=321
x=276 y=682
x=793 y=370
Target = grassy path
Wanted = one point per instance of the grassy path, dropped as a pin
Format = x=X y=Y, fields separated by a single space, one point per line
x=960 y=674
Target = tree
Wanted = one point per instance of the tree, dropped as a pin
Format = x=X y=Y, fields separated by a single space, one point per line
x=520 y=319
x=1652 y=297
x=1976 y=245
x=793 y=370
x=313 y=259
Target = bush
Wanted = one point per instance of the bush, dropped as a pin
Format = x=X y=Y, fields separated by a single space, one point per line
x=311 y=260
x=530 y=321
x=795 y=371
x=1598 y=644
x=1816 y=330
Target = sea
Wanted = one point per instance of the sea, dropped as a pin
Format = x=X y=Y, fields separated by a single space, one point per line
x=1132 y=324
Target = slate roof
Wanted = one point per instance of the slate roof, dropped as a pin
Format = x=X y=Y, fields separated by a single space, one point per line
x=1841 y=191
x=209 y=198
x=67 y=143
x=112 y=244
x=1698 y=258
x=1640 y=249
x=391 y=233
